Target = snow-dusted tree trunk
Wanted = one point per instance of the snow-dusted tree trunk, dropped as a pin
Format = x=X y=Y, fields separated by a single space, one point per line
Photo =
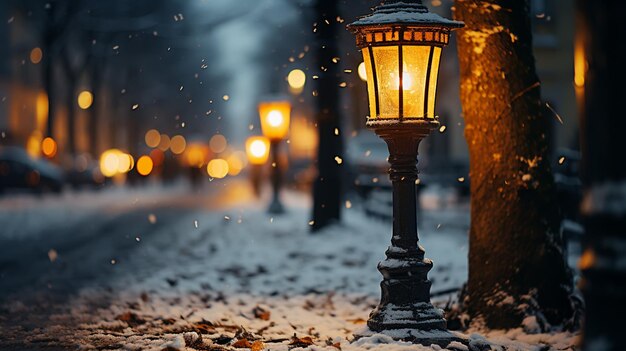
x=516 y=266
x=603 y=125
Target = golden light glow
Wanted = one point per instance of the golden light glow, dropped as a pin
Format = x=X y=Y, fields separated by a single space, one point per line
x=296 y=80
x=218 y=143
x=196 y=155
x=85 y=99
x=178 y=144
x=109 y=162
x=418 y=81
x=580 y=63
x=33 y=144
x=275 y=117
x=303 y=139
x=115 y=161
x=36 y=55
x=157 y=157
x=235 y=163
x=217 y=168
x=144 y=165
x=152 y=138
x=49 y=147
x=125 y=163
x=42 y=110
x=257 y=149
x=362 y=72
x=164 y=142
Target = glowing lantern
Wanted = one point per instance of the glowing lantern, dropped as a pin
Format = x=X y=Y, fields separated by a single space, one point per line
x=218 y=143
x=257 y=149
x=49 y=147
x=85 y=99
x=402 y=55
x=275 y=117
x=235 y=163
x=217 y=168
x=36 y=55
x=152 y=138
x=178 y=144
x=296 y=80
x=164 y=142
x=110 y=162
x=144 y=165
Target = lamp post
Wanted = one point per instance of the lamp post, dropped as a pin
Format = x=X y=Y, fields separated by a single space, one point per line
x=401 y=42
x=257 y=150
x=275 y=117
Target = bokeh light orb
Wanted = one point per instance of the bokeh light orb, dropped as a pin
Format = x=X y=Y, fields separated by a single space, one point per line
x=218 y=143
x=85 y=99
x=144 y=165
x=152 y=138
x=217 y=168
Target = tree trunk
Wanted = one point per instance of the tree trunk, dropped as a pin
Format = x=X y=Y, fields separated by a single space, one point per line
x=516 y=265
x=604 y=173
x=327 y=187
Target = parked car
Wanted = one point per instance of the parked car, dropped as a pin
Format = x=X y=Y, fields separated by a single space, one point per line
x=20 y=171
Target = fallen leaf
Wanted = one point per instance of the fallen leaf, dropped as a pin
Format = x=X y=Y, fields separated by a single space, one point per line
x=261 y=313
x=242 y=344
x=301 y=342
x=131 y=319
x=357 y=321
x=257 y=346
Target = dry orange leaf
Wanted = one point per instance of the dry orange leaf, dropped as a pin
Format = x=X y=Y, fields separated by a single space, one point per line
x=357 y=321
x=261 y=313
x=242 y=344
x=257 y=346
x=301 y=342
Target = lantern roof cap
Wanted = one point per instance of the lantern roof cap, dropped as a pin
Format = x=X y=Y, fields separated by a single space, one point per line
x=404 y=12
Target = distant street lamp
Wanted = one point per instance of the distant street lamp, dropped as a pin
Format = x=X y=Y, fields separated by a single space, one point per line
x=275 y=117
x=257 y=150
x=401 y=44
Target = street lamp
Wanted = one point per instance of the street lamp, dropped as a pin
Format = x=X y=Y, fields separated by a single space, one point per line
x=257 y=150
x=401 y=42
x=275 y=116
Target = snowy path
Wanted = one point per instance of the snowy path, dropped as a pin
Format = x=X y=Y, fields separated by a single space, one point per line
x=222 y=277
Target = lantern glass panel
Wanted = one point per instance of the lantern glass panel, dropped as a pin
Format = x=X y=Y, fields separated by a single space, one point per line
x=386 y=66
x=432 y=88
x=414 y=80
x=371 y=92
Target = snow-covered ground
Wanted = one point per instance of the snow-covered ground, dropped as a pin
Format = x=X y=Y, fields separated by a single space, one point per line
x=240 y=278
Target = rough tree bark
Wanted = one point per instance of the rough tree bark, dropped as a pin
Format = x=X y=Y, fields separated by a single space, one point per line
x=516 y=266
x=603 y=125
x=327 y=186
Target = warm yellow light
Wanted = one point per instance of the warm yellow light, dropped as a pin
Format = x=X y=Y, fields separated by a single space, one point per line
x=152 y=138
x=33 y=144
x=85 y=99
x=125 y=163
x=49 y=147
x=42 y=110
x=580 y=63
x=217 y=168
x=235 y=163
x=164 y=142
x=275 y=118
x=257 y=149
x=196 y=155
x=362 y=72
x=420 y=68
x=109 y=162
x=218 y=143
x=36 y=55
x=296 y=79
x=144 y=165
x=178 y=144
